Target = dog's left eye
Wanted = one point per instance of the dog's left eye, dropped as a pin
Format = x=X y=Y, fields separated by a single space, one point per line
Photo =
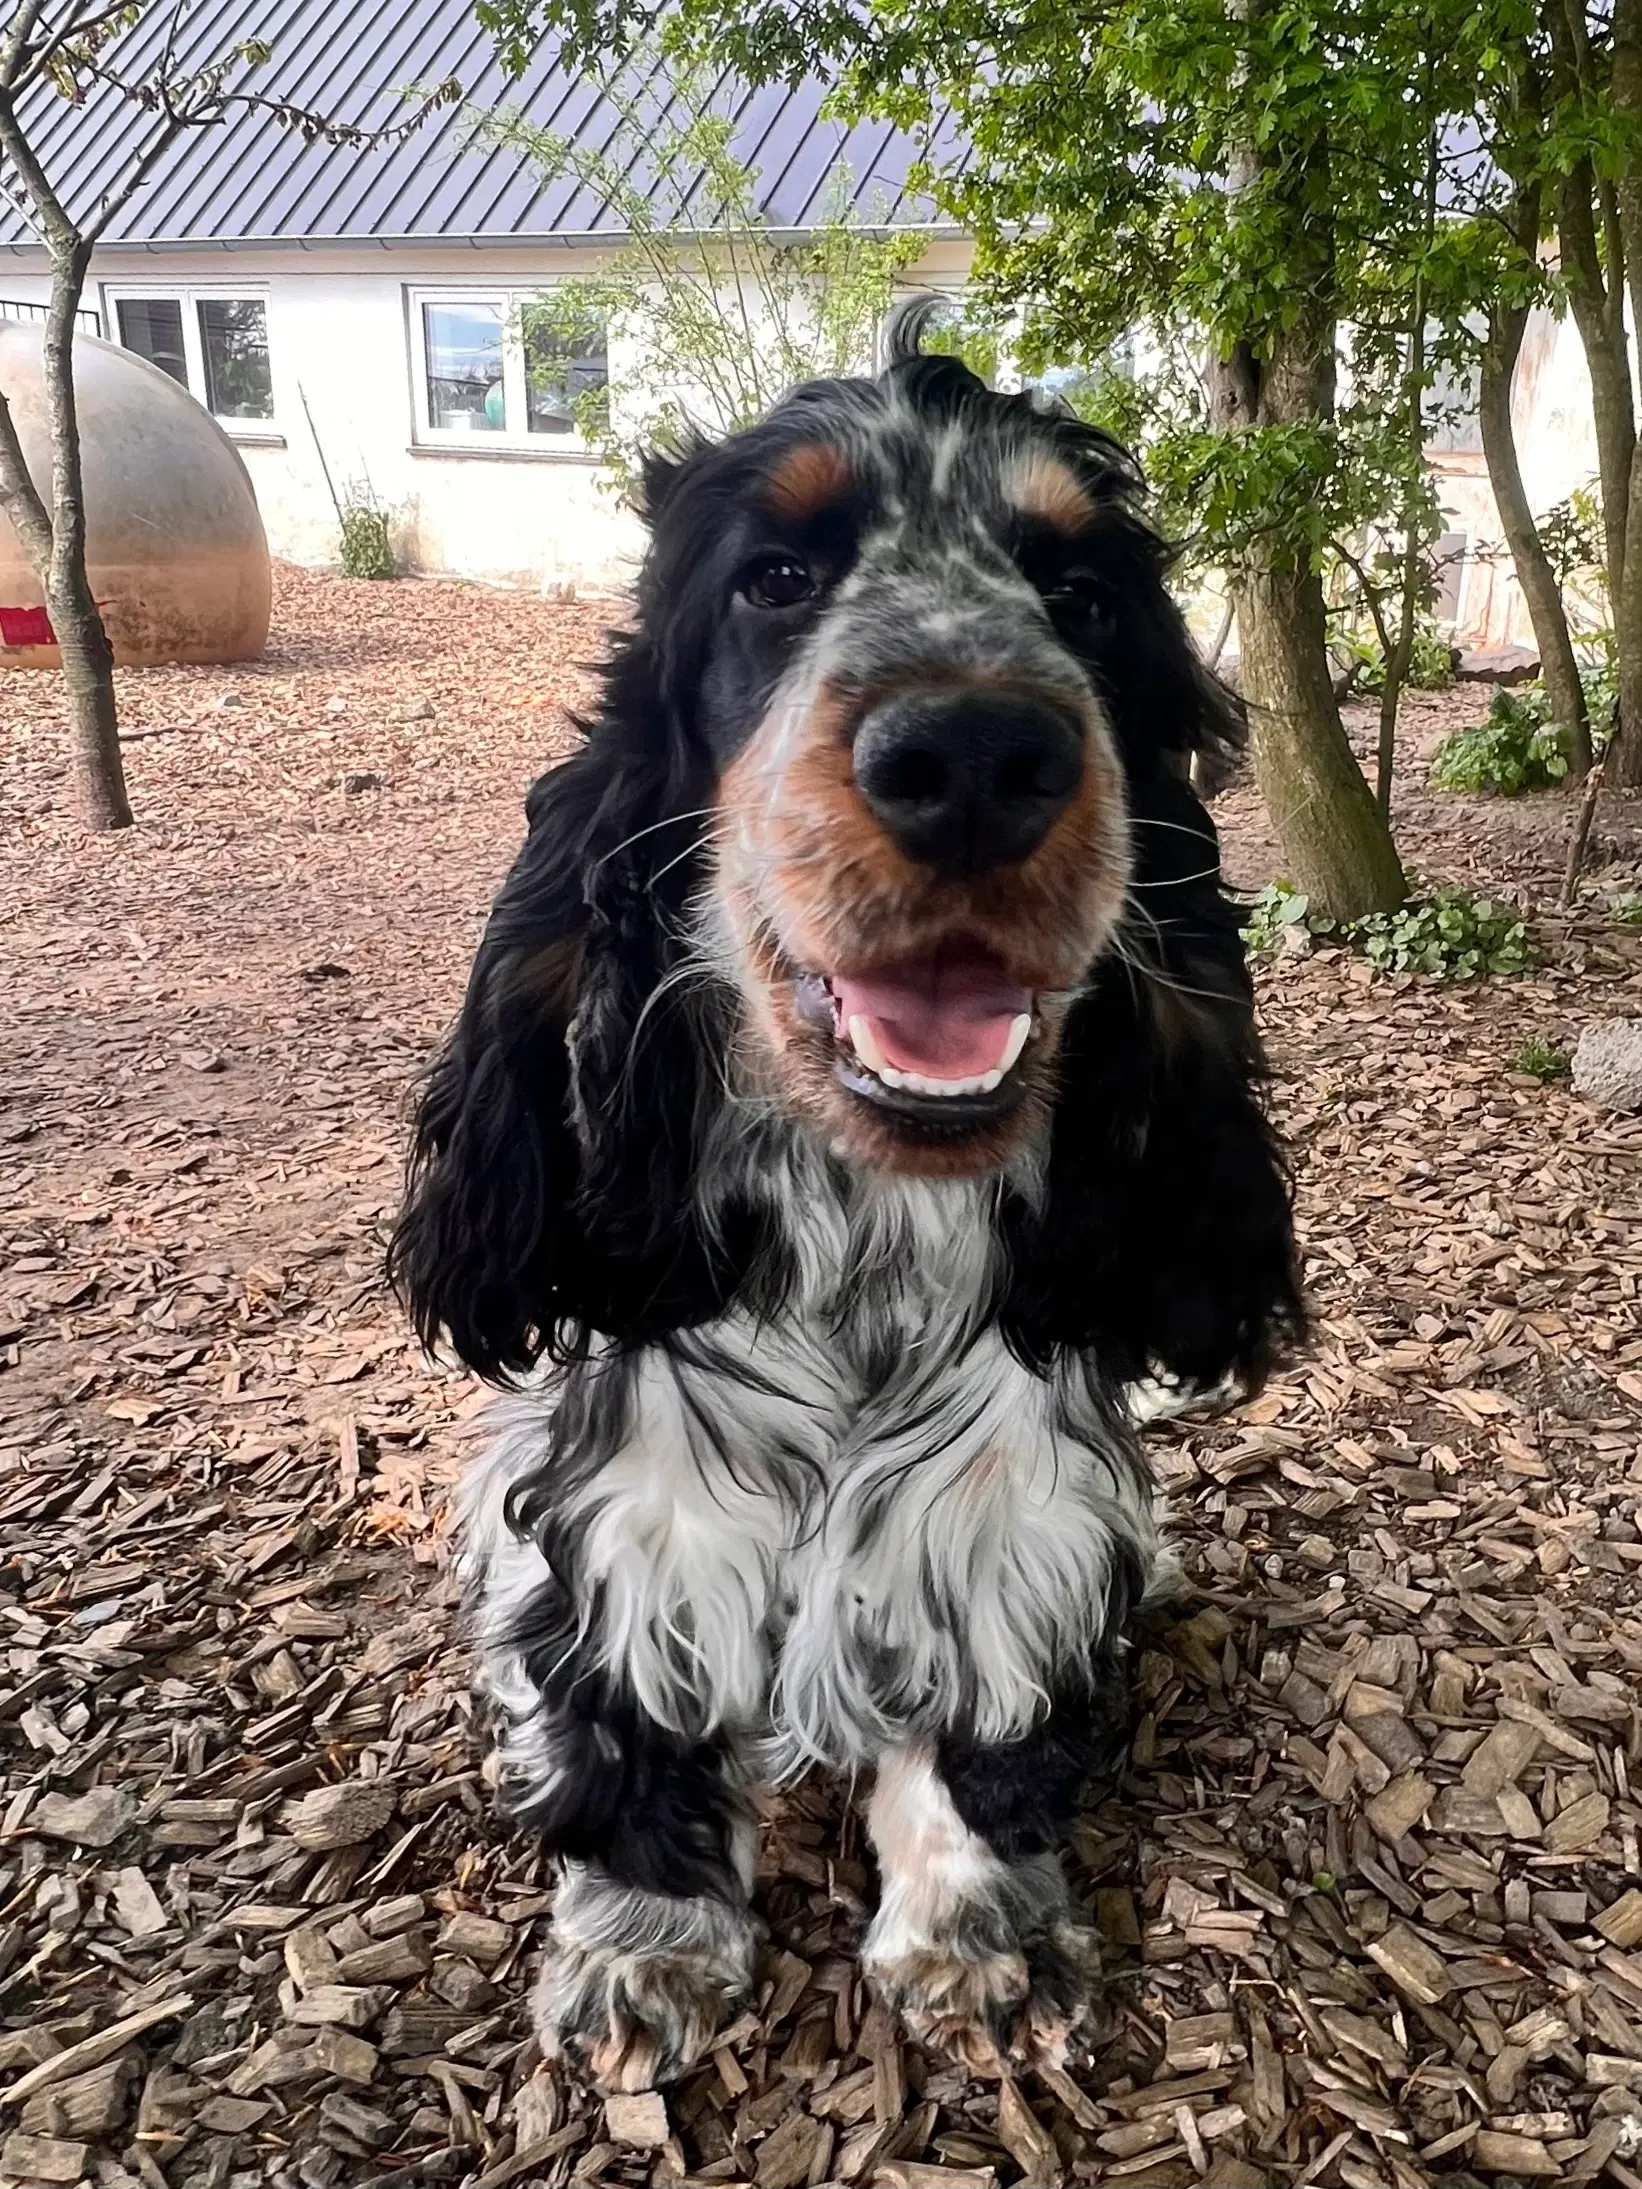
x=778 y=581
x=1076 y=594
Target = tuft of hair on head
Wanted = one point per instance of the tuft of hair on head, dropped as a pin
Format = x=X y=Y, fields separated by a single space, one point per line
x=908 y=323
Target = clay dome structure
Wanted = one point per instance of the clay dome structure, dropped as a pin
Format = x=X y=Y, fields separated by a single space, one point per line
x=174 y=544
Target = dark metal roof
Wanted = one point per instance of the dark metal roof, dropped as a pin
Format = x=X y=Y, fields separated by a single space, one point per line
x=250 y=180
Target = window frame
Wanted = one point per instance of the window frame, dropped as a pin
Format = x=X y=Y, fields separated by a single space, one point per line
x=190 y=296
x=512 y=440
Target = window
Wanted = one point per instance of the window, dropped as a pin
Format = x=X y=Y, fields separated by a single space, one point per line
x=490 y=373
x=152 y=326
x=214 y=346
x=464 y=350
x=234 y=353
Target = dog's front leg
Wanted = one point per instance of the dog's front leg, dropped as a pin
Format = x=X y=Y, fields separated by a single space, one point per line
x=654 y=1938
x=638 y=1983
x=619 y=1670
x=977 y=1941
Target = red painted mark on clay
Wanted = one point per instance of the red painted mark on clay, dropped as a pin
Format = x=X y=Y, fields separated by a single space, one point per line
x=26 y=627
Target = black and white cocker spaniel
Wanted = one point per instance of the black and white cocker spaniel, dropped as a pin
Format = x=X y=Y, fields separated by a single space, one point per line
x=854 y=1096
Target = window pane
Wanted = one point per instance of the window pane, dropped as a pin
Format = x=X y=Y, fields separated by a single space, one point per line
x=152 y=326
x=464 y=344
x=561 y=367
x=234 y=343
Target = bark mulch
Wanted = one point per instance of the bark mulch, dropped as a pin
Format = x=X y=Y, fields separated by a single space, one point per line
x=1372 y=1895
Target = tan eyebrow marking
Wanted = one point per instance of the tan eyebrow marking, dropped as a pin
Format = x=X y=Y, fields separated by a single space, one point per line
x=1040 y=486
x=808 y=478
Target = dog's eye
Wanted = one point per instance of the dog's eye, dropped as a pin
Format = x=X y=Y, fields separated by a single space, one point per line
x=778 y=581
x=1077 y=595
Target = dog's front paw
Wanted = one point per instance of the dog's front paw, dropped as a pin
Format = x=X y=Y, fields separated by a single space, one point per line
x=1005 y=1982
x=634 y=2019
x=1063 y=1960
x=964 y=2005
x=636 y=1986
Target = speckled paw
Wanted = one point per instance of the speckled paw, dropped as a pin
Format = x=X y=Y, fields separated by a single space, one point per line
x=964 y=2006
x=634 y=2020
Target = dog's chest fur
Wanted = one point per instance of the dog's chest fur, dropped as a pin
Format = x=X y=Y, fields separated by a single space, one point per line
x=821 y=1530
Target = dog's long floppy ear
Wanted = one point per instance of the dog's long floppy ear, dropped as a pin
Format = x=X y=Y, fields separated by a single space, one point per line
x=1165 y=1237
x=549 y=1196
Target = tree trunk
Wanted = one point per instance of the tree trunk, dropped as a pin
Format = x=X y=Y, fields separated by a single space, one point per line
x=1534 y=573
x=1336 y=845
x=93 y=722
x=1597 y=303
x=88 y=658
x=1623 y=766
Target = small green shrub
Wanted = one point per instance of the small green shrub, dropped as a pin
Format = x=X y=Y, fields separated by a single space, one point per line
x=367 y=540
x=1516 y=749
x=1541 y=1059
x=1278 y=906
x=1430 y=668
x=1443 y=930
x=1447 y=931
x=1626 y=906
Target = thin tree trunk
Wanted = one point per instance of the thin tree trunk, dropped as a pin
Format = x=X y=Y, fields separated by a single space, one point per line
x=1537 y=579
x=1595 y=296
x=87 y=656
x=54 y=540
x=1399 y=658
x=1623 y=770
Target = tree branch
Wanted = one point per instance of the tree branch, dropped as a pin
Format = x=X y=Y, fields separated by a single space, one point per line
x=20 y=497
x=14 y=46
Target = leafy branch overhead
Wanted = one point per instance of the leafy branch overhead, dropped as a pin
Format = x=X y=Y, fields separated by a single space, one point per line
x=712 y=313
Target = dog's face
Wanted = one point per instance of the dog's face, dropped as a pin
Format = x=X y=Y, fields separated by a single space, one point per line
x=912 y=596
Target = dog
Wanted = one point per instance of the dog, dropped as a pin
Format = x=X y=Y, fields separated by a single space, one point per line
x=855 y=1095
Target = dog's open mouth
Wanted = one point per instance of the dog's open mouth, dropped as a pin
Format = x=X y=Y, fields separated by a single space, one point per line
x=937 y=1038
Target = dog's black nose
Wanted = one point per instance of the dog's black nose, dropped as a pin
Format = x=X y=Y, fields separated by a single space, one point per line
x=967 y=779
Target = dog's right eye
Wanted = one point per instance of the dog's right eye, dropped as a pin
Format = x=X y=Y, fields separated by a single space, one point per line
x=778 y=581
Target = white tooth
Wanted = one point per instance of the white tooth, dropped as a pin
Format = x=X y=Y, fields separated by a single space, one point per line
x=1015 y=1044
x=865 y=1045
x=988 y=1080
x=892 y=1078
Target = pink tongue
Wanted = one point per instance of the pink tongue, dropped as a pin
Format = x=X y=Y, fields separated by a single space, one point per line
x=946 y=1017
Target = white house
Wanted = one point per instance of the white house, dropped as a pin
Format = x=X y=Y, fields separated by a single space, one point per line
x=349 y=313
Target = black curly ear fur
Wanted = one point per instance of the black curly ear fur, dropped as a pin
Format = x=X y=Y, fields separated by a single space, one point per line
x=579 y=1073
x=1164 y=1240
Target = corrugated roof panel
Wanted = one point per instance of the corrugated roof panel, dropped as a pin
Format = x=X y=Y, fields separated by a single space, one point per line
x=252 y=180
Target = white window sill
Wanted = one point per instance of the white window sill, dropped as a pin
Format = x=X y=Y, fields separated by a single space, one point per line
x=509 y=452
x=252 y=436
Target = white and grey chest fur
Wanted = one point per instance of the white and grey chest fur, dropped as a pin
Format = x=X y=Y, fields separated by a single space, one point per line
x=855 y=1520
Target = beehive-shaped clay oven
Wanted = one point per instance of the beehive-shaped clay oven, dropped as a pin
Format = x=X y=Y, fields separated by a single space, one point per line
x=174 y=544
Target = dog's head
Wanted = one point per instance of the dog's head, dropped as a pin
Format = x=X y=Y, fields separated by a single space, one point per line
x=886 y=810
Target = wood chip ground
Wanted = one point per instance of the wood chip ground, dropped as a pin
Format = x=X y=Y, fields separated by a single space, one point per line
x=1372 y=1895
